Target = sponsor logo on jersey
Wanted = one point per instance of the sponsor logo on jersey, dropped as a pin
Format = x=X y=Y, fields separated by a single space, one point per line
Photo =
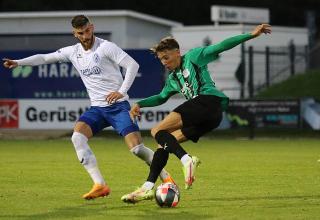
x=186 y=73
x=91 y=71
x=96 y=58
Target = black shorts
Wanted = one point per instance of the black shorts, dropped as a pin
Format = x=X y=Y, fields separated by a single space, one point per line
x=200 y=115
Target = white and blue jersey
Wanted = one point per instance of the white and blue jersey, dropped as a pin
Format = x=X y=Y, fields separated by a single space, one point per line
x=99 y=69
x=100 y=72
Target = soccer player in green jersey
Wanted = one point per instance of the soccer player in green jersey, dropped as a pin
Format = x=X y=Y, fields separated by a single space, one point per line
x=201 y=113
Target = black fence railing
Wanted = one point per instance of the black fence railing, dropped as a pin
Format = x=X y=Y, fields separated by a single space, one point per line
x=270 y=65
x=314 y=57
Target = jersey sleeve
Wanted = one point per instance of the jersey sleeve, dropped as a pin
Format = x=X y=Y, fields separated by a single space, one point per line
x=131 y=67
x=63 y=54
x=204 y=55
x=159 y=99
x=113 y=52
x=37 y=59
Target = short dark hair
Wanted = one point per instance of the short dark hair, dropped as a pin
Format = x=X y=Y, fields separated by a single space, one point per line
x=167 y=43
x=79 y=21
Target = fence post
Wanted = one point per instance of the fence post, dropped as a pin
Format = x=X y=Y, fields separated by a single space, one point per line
x=292 y=54
x=267 y=66
x=252 y=126
x=250 y=72
x=306 y=55
x=243 y=66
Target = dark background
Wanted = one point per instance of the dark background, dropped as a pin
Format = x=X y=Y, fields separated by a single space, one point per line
x=197 y=12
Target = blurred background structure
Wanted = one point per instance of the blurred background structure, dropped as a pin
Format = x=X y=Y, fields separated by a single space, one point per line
x=251 y=74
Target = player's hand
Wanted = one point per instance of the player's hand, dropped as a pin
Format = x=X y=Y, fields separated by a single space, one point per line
x=113 y=97
x=135 y=111
x=9 y=63
x=262 y=28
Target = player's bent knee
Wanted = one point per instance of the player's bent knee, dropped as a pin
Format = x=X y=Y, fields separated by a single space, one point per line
x=154 y=131
x=164 y=138
x=78 y=138
x=83 y=128
x=83 y=151
x=75 y=139
x=133 y=139
x=160 y=137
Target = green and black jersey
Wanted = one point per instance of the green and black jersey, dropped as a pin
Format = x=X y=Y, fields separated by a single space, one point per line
x=193 y=78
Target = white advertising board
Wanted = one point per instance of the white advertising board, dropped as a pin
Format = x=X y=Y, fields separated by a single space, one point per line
x=239 y=14
x=62 y=114
x=50 y=113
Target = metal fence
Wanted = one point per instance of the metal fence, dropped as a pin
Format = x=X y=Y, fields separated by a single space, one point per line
x=314 y=54
x=271 y=65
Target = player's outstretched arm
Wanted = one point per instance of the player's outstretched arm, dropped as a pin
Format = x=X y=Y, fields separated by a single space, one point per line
x=261 y=29
x=211 y=52
x=34 y=60
x=8 y=63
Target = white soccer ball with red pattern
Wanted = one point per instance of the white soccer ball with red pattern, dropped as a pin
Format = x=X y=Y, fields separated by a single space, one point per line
x=167 y=195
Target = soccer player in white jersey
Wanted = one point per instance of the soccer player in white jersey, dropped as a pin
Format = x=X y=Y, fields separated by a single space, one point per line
x=98 y=62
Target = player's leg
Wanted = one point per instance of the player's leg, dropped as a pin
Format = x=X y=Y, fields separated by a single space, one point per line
x=160 y=158
x=82 y=132
x=136 y=146
x=168 y=144
x=119 y=117
x=181 y=125
x=203 y=114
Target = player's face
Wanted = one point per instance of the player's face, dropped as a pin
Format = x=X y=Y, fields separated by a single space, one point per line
x=84 y=35
x=170 y=58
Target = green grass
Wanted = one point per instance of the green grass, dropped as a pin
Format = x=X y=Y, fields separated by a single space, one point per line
x=299 y=86
x=238 y=179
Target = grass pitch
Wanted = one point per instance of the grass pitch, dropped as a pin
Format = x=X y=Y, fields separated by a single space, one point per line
x=238 y=179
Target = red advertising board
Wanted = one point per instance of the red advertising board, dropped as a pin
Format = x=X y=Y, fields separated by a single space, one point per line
x=9 y=113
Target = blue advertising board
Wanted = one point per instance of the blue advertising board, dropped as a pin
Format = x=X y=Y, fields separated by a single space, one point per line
x=61 y=80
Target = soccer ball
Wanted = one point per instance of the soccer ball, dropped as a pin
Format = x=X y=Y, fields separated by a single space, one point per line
x=167 y=195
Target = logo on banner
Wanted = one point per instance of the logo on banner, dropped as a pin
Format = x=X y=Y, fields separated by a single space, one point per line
x=9 y=114
x=22 y=71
